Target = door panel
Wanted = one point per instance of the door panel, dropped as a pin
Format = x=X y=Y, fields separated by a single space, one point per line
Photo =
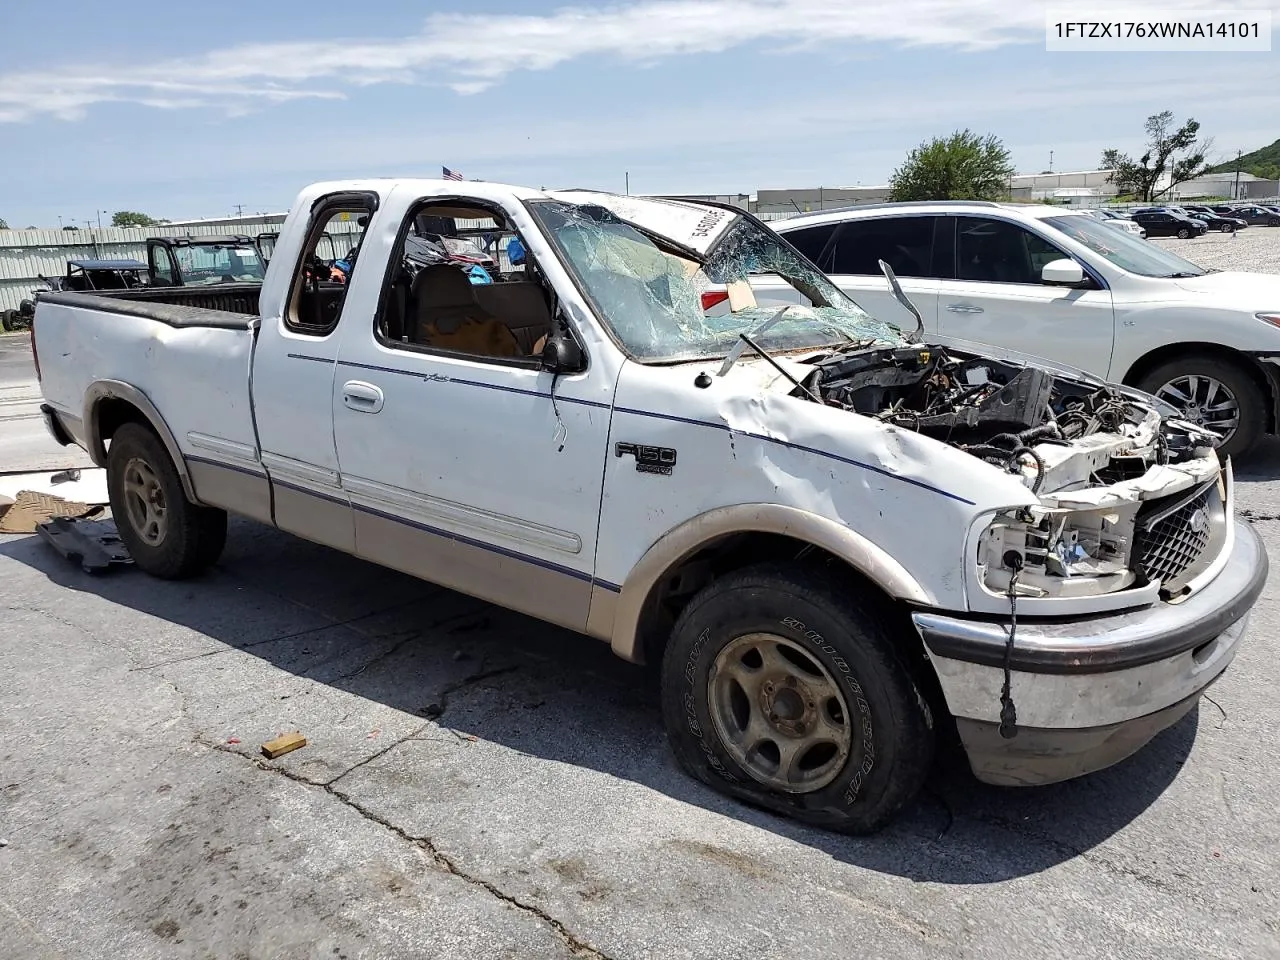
x=469 y=475
x=999 y=300
x=293 y=388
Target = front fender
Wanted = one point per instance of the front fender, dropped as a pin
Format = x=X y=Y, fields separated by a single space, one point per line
x=616 y=617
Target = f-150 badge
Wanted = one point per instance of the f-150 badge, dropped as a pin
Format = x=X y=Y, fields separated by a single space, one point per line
x=659 y=460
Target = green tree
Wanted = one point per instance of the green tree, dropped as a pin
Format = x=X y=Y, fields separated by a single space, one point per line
x=4 y=224
x=963 y=166
x=1142 y=176
x=131 y=218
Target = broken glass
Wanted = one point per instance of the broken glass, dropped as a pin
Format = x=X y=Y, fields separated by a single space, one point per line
x=657 y=272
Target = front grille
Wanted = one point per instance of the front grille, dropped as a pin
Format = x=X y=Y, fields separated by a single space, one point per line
x=1172 y=534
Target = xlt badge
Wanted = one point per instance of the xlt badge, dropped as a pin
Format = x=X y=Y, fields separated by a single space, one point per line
x=648 y=459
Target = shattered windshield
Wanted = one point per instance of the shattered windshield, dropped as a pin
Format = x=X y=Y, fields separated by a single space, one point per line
x=673 y=281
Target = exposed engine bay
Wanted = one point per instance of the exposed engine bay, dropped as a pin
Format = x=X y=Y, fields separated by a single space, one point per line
x=1127 y=497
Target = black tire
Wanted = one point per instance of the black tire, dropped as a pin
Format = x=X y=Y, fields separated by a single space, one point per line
x=892 y=740
x=1249 y=395
x=6 y=320
x=193 y=535
x=1274 y=222
x=1184 y=233
x=1228 y=228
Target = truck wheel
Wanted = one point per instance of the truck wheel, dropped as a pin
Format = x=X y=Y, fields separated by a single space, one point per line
x=781 y=689
x=6 y=320
x=1212 y=393
x=168 y=536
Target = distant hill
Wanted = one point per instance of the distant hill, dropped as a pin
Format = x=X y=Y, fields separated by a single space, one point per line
x=1264 y=162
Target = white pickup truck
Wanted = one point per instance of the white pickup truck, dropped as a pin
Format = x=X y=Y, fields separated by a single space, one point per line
x=837 y=542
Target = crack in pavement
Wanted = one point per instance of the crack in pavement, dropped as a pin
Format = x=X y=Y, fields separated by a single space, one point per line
x=288 y=636
x=442 y=702
x=1258 y=517
x=414 y=635
x=411 y=735
x=578 y=946
x=1071 y=850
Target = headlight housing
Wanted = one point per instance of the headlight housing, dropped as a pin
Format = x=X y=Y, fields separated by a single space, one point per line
x=1059 y=552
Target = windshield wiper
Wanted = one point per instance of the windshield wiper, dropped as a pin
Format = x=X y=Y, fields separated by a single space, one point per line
x=1181 y=276
x=746 y=338
x=742 y=344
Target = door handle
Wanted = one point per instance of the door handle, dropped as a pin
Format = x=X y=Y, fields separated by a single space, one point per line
x=963 y=308
x=362 y=397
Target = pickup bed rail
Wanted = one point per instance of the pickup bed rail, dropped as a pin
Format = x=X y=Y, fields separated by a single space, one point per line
x=229 y=306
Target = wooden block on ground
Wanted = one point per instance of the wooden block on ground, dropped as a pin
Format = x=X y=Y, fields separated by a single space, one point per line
x=283 y=744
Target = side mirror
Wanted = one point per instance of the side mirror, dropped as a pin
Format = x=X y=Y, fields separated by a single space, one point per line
x=560 y=354
x=1062 y=273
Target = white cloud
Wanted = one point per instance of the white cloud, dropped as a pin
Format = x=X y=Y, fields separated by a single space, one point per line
x=471 y=52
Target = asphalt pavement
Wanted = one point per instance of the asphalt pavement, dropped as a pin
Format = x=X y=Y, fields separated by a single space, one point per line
x=478 y=784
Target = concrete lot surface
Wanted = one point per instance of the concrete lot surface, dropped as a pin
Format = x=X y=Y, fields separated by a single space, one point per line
x=477 y=784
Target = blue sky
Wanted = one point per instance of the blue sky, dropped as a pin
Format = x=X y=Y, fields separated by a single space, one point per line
x=205 y=107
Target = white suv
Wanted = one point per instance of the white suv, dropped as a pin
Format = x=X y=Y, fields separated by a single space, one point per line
x=1047 y=282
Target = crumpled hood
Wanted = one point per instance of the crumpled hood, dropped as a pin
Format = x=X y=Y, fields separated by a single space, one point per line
x=1261 y=291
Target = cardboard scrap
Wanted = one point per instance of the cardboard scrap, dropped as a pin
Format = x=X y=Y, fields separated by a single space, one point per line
x=283 y=744
x=31 y=508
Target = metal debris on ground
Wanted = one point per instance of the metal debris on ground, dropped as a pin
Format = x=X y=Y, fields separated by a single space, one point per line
x=94 y=544
x=83 y=485
x=283 y=744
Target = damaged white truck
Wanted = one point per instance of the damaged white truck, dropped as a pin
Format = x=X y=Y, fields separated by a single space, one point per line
x=835 y=542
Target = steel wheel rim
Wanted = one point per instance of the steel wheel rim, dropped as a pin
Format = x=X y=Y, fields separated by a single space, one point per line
x=144 y=502
x=779 y=713
x=1205 y=402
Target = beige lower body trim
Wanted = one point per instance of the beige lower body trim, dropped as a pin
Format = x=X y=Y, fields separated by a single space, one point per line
x=234 y=490
x=315 y=518
x=604 y=606
x=519 y=585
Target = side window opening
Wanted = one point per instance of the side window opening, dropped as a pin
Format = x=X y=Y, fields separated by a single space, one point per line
x=994 y=251
x=905 y=243
x=463 y=282
x=812 y=242
x=161 y=267
x=324 y=270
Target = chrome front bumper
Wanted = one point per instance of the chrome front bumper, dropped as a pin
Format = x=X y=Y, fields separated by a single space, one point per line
x=1090 y=691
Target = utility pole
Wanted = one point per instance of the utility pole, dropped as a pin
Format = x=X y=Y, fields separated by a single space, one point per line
x=88 y=225
x=627 y=175
x=1051 y=161
x=239 y=211
x=1235 y=194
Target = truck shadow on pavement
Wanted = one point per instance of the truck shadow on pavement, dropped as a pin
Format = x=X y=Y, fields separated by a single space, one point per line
x=1260 y=464
x=460 y=665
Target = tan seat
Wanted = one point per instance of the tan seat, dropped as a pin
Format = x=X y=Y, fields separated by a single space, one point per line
x=449 y=317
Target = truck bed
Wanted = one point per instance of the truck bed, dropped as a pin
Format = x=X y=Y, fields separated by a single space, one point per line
x=227 y=306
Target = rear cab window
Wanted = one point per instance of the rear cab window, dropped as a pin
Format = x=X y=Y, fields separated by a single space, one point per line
x=328 y=259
